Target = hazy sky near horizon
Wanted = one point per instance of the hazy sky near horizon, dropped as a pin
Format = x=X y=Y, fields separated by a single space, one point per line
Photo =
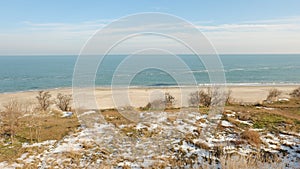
x=233 y=26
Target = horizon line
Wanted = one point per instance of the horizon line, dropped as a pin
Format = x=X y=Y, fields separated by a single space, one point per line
x=151 y=54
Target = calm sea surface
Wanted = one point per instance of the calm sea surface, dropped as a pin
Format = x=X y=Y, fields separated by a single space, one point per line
x=20 y=73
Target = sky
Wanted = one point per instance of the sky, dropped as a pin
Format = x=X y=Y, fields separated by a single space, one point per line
x=232 y=26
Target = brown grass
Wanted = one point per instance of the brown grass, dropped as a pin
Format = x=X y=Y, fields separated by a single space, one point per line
x=114 y=117
x=51 y=127
x=202 y=145
x=287 y=113
x=252 y=137
x=239 y=162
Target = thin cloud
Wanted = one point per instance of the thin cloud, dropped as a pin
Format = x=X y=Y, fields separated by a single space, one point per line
x=263 y=36
x=292 y=19
x=281 y=24
x=250 y=27
x=84 y=26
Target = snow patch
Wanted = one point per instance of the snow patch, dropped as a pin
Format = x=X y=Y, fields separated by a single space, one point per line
x=226 y=124
x=66 y=114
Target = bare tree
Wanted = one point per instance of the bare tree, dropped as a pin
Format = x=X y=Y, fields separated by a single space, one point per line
x=11 y=118
x=273 y=94
x=295 y=93
x=63 y=102
x=44 y=100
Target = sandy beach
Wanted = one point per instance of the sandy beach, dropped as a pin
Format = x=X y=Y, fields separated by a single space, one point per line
x=139 y=96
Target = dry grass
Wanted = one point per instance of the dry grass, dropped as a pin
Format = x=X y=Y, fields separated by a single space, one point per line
x=252 y=137
x=202 y=145
x=233 y=161
x=279 y=115
x=54 y=127
x=50 y=127
x=10 y=153
x=114 y=117
x=238 y=162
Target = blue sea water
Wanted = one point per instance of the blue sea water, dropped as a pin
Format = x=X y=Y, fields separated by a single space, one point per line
x=21 y=73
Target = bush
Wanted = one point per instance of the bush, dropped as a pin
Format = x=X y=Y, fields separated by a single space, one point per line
x=205 y=98
x=194 y=99
x=229 y=99
x=219 y=97
x=295 y=93
x=210 y=97
x=44 y=101
x=63 y=102
x=160 y=104
x=169 y=100
x=156 y=105
x=273 y=94
x=202 y=98
x=10 y=118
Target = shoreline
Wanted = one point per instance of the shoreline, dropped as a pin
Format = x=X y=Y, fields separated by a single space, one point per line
x=140 y=96
x=227 y=85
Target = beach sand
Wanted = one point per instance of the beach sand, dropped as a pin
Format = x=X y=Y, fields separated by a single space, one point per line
x=141 y=96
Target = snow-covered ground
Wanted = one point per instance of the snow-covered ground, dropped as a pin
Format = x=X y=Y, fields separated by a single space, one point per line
x=187 y=141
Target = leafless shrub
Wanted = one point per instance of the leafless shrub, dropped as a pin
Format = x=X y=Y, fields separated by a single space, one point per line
x=214 y=97
x=63 y=102
x=229 y=99
x=202 y=98
x=169 y=100
x=205 y=97
x=194 y=99
x=273 y=94
x=295 y=93
x=34 y=124
x=11 y=118
x=44 y=100
x=32 y=120
x=156 y=105
x=220 y=97
x=160 y=104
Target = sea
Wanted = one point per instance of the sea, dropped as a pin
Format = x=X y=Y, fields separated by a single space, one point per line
x=23 y=73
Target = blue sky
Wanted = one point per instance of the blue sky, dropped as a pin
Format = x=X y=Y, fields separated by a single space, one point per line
x=233 y=26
